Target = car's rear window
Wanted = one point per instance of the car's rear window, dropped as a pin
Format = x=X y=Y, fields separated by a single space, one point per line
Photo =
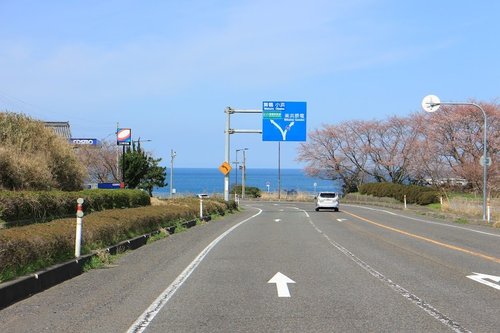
x=328 y=195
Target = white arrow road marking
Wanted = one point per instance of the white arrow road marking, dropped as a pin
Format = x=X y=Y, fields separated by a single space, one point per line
x=277 y=220
x=481 y=278
x=282 y=282
x=340 y=220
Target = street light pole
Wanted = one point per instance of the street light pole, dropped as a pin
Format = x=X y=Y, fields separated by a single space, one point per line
x=172 y=156
x=236 y=167
x=243 y=174
x=242 y=171
x=431 y=103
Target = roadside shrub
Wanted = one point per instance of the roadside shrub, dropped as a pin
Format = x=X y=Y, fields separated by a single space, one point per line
x=427 y=198
x=33 y=157
x=250 y=191
x=25 y=207
x=32 y=247
x=414 y=194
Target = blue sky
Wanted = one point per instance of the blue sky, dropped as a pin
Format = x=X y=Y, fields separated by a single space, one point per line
x=167 y=69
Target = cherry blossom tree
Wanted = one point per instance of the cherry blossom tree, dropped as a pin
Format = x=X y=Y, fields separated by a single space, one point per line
x=440 y=146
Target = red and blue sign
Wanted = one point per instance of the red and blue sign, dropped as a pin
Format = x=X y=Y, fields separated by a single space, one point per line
x=123 y=136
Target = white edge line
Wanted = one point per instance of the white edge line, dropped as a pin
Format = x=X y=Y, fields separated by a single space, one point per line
x=147 y=316
x=425 y=221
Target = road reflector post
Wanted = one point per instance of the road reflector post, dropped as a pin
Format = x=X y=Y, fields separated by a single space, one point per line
x=79 y=221
x=201 y=207
x=404 y=198
x=488 y=211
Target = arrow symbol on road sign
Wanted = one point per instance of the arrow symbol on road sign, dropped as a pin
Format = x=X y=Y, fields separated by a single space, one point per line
x=483 y=278
x=282 y=282
x=283 y=132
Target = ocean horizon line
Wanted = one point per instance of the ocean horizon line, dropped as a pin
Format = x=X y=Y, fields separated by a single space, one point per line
x=211 y=180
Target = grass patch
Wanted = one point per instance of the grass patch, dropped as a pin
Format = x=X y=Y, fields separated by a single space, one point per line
x=179 y=227
x=35 y=266
x=163 y=233
x=435 y=206
x=462 y=220
x=93 y=263
x=101 y=260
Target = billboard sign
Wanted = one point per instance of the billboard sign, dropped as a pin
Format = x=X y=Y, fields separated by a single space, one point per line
x=123 y=136
x=83 y=142
x=284 y=121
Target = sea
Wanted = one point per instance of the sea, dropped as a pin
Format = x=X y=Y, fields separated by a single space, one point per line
x=189 y=181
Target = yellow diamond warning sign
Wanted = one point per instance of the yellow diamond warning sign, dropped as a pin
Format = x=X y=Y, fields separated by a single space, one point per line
x=225 y=168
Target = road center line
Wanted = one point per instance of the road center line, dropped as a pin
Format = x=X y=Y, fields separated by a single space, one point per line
x=425 y=221
x=147 y=316
x=456 y=327
x=448 y=246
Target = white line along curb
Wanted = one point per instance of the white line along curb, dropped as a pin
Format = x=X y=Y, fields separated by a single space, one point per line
x=147 y=316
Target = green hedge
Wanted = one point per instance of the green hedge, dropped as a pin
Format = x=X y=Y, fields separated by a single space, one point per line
x=29 y=248
x=414 y=194
x=25 y=207
x=250 y=191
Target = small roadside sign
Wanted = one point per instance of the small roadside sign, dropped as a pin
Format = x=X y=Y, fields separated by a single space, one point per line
x=486 y=161
x=225 y=168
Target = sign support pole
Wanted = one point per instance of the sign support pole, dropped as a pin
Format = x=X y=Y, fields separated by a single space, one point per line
x=123 y=166
x=228 y=131
x=279 y=170
x=228 y=112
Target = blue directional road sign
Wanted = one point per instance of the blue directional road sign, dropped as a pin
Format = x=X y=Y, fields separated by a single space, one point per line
x=284 y=121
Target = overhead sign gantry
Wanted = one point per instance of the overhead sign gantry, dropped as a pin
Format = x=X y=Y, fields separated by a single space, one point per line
x=281 y=121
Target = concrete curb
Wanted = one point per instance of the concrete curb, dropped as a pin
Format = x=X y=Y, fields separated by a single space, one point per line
x=26 y=286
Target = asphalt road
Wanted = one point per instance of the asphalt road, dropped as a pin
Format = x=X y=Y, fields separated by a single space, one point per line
x=282 y=267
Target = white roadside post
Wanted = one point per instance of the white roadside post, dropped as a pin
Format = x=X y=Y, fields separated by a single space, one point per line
x=201 y=207
x=488 y=209
x=79 y=221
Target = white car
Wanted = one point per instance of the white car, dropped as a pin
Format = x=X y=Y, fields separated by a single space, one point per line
x=327 y=200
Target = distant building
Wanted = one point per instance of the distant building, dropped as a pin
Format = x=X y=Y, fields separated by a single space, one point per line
x=61 y=128
x=447 y=181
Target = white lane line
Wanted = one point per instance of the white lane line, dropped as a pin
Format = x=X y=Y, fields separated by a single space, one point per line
x=425 y=221
x=147 y=316
x=453 y=325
